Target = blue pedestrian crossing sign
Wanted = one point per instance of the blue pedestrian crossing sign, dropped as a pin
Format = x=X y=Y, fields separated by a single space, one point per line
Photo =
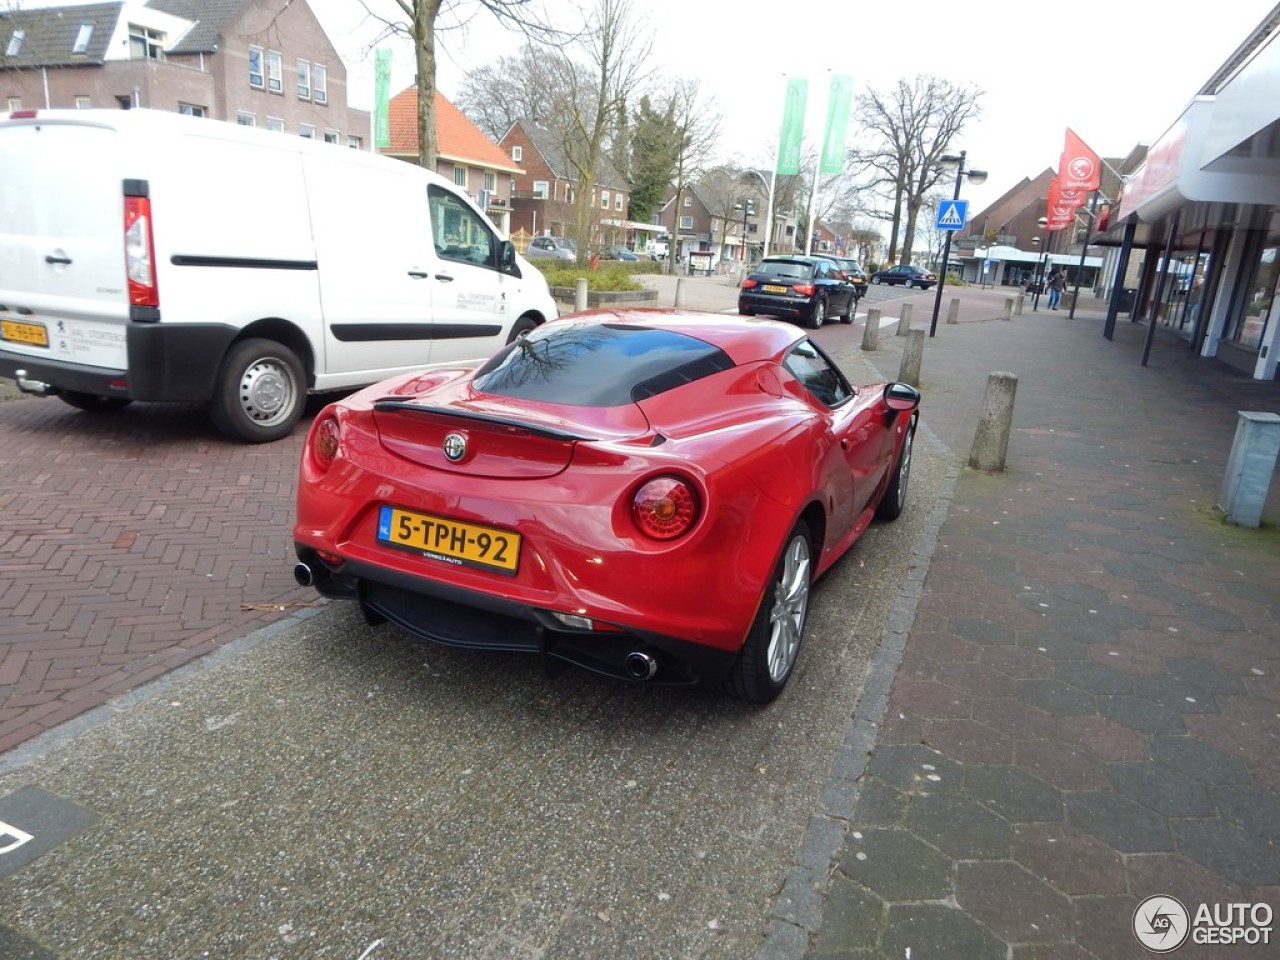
x=952 y=214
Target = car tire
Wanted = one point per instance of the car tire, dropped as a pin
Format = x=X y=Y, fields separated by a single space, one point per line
x=521 y=328
x=818 y=315
x=876 y=281
x=743 y=311
x=895 y=494
x=260 y=392
x=772 y=647
x=92 y=402
x=850 y=307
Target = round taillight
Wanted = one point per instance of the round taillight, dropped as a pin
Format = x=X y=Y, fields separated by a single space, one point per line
x=665 y=507
x=325 y=440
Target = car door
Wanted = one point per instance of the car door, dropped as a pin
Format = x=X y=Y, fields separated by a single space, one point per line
x=469 y=294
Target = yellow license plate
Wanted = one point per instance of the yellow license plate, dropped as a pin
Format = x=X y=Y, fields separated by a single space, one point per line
x=774 y=288
x=466 y=544
x=32 y=333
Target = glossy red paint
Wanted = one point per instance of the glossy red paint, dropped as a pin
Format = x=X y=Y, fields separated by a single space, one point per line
x=751 y=446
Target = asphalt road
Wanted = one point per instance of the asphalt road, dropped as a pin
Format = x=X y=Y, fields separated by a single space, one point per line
x=321 y=788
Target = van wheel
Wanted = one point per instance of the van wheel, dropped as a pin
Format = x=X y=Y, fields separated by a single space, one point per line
x=92 y=402
x=260 y=392
x=521 y=328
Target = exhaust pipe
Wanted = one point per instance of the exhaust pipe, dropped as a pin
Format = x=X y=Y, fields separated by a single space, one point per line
x=640 y=665
x=302 y=573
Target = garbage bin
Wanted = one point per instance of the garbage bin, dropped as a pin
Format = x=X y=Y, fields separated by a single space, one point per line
x=1127 y=297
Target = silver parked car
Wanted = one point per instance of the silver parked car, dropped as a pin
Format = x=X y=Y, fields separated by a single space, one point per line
x=551 y=248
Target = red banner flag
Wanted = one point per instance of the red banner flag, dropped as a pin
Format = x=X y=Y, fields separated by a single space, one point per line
x=1059 y=214
x=1080 y=168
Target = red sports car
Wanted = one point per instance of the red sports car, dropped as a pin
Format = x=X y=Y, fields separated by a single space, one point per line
x=644 y=493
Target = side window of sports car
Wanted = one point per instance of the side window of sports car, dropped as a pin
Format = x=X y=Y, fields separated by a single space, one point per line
x=817 y=374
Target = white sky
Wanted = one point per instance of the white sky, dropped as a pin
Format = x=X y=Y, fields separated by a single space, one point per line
x=1118 y=72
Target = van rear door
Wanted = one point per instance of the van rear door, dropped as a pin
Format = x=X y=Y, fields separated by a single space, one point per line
x=62 y=263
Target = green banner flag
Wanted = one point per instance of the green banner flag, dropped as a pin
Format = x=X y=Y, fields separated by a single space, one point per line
x=381 y=98
x=792 y=126
x=839 y=101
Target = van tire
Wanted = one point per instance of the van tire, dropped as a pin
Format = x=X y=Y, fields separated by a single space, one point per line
x=92 y=402
x=521 y=328
x=260 y=392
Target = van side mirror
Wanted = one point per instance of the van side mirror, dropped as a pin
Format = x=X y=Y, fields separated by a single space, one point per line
x=507 y=256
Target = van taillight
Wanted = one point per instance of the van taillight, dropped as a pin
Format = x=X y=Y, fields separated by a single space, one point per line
x=139 y=253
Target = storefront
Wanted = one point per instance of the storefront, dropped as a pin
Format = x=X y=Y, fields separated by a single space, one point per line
x=1206 y=207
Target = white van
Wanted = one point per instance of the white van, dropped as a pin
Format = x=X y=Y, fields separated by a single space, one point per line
x=151 y=256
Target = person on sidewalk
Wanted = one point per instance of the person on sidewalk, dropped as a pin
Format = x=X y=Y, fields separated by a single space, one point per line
x=1057 y=283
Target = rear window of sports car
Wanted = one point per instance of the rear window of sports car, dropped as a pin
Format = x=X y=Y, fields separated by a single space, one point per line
x=598 y=365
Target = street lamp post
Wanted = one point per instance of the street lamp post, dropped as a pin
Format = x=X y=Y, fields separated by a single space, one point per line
x=975 y=177
x=768 y=213
x=746 y=206
x=1040 y=272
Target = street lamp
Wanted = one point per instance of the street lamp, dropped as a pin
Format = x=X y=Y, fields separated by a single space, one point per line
x=748 y=209
x=975 y=177
x=1044 y=253
x=768 y=213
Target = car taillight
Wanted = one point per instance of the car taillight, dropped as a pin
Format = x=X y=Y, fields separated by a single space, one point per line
x=139 y=253
x=804 y=289
x=665 y=507
x=326 y=439
x=749 y=284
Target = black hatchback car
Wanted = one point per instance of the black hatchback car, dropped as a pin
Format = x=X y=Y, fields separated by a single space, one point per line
x=808 y=289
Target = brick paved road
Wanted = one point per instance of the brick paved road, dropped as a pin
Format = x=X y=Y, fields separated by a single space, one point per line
x=130 y=544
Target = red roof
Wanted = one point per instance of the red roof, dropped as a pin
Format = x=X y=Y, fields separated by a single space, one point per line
x=457 y=138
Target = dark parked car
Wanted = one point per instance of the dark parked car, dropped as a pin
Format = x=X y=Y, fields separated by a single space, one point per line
x=617 y=253
x=808 y=289
x=906 y=273
x=854 y=273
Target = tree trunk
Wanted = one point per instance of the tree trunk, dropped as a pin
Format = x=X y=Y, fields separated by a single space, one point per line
x=424 y=18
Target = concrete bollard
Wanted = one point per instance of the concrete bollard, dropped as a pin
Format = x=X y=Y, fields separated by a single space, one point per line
x=1250 y=467
x=991 y=439
x=679 y=292
x=871 y=332
x=912 y=355
x=1017 y=309
x=904 y=321
x=1008 y=309
x=953 y=311
x=580 y=295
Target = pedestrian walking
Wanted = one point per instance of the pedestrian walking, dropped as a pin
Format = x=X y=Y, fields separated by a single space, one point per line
x=1057 y=283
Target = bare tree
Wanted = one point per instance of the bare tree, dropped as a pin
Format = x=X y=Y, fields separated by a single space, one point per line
x=697 y=128
x=422 y=20
x=914 y=125
x=496 y=95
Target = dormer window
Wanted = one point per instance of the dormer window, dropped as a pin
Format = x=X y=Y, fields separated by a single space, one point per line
x=15 y=43
x=82 y=38
x=517 y=153
x=145 y=43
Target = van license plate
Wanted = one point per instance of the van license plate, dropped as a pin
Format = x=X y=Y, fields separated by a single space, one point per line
x=32 y=333
x=450 y=540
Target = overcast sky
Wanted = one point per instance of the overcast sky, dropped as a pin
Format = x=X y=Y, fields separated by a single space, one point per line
x=1118 y=72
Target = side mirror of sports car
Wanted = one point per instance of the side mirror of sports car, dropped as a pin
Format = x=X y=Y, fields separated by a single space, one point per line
x=901 y=396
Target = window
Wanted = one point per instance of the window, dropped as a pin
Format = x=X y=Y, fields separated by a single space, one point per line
x=688 y=201
x=255 y=67
x=517 y=153
x=460 y=235
x=490 y=181
x=145 y=43
x=83 y=103
x=15 y=43
x=275 y=124
x=331 y=136
x=816 y=374
x=304 y=80
x=275 y=71
x=189 y=110
x=540 y=189
x=246 y=119
x=604 y=199
x=319 y=83
x=617 y=202
x=686 y=223
x=460 y=177
x=15 y=103
x=307 y=131
x=354 y=143
x=82 y=38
